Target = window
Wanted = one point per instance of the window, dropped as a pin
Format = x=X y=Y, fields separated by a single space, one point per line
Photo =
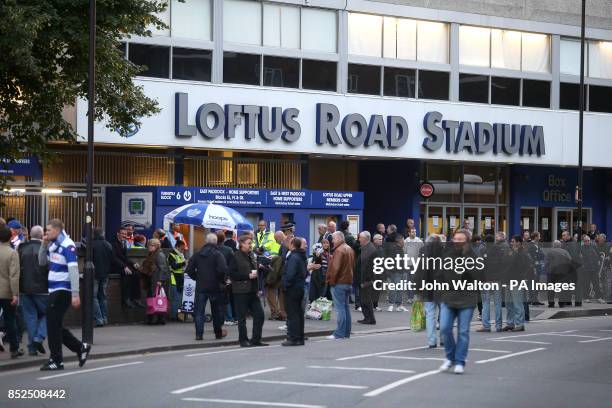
x=399 y=82
x=600 y=59
x=505 y=49
x=473 y=88
x=432 y=44
x=433 y=85
x=364 y=34
x=192 y=65
x=281 y=72
x=474 y=46
x=569 y=96
x=281 y=26
x=600 y=99
x=536 y=94
x=242 y=22
x=399 y=38
x=241 y=68
x=156 y=59
x=319 y=75
x=318 y=30
x=535 y=52
x=192 y=19
x=505 y=91
x=364 y=79
x=570 y=57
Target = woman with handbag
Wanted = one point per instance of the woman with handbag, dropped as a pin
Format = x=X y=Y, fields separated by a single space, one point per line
x=155 y=273
x=243 y=272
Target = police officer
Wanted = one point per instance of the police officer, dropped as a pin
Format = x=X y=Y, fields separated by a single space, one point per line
x=264 y=243
x=177 y=264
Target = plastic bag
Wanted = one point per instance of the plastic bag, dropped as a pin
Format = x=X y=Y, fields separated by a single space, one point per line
x=417 y=318
x=159 y=303
x=324 y=305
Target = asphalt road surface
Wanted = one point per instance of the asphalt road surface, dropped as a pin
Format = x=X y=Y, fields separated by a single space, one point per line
x=555 y=363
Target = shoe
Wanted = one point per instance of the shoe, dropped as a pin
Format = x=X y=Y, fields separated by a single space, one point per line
x=538 y=304
x=358 y=309
x=390 y=308
x=459 y=369
x=245 y=344
x=291 y=343
x=441 y=344
x=508 y=328
x=479 y=318
x=378 y=309
x=498 y=329
x=199 y=338
x=83 y=354
x=100 y=324
x=139 y=304
x=577 y=304
x=283 y=327
x=401 y=309
x=446 y=365
x=129 y=304
x=16 y=354
x=223 y=334
x=38 y=347
x=433 y=346
x=32 y=353
x=52 y=366
x=230 y=322
x=518 y=329
x=483 y=330
x=551 y=304
x=105 y=321
x=332 y=337
x=364 y=321
x=259 y=344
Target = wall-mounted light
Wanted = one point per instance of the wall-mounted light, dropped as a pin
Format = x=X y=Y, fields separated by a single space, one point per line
x=51 y=191
x=16 y=190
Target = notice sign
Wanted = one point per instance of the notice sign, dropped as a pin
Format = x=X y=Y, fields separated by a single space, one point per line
x=487 y=222
x=231 y=196
x=353 y=224
x=288 y=198
x=189 y=286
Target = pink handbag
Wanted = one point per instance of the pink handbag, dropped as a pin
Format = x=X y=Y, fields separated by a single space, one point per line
x=158 y=304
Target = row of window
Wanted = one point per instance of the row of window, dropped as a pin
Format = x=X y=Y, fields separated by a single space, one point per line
x=597 y=58
x=504 y=91
x=597 y=98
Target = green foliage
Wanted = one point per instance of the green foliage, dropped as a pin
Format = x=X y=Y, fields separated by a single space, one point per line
x=44 y=67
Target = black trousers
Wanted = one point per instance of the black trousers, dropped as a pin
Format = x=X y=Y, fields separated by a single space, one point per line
x=130 y=287
x=59 y=302
x=295 y=315
x=565 y=297
x=249 y=303
x=9 y=312
x=367 y=306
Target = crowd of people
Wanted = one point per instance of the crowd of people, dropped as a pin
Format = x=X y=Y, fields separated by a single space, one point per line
x=233 y=274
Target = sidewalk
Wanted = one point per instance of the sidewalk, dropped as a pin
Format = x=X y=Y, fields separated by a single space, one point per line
x=118 y=340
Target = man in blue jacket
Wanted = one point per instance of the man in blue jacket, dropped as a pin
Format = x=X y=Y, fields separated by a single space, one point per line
x=293 y=280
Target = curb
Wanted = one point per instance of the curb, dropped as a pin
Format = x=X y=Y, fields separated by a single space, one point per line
x=564 y=314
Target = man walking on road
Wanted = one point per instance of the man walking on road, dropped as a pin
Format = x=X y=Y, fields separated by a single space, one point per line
x=59 y=253
x=340 y=279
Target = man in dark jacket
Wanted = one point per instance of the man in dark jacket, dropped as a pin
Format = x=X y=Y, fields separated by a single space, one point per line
x=519 y=269
x=591 y=260
x=559 y=270
x=574 y=250
x=208 y=269
x=365 y=268
x=130 y=284
x=33 y=287
x=102 y=259
x=293 y=280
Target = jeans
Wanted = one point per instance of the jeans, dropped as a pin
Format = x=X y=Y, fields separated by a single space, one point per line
x=249 y=302
x=217 y=302
x=430 y=322
x=9 y=313
x=176 y=300
x=395 y=296
x=295 y=314
x=34 y=308
x=486 y=308
x=456 y=352
x=515 y=311
x=341 y=294
x=99 y=293
x=58 y=304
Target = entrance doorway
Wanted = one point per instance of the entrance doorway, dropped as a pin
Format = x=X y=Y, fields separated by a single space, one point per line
x=569 y=219
x=445 y=219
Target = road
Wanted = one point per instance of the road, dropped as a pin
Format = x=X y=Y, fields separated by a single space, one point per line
x=555 y=363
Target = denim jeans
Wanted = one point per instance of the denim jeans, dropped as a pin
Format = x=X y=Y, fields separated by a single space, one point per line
x=341 y=294
x=34 y=309
x=430 y=322
x=486 y=308
x=457 y=351
x=99 y=293
x=395 y=296
x=176 y=300
x=515 y=311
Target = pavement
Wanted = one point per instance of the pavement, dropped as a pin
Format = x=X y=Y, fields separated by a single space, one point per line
x=121 y=340
x=555 y=363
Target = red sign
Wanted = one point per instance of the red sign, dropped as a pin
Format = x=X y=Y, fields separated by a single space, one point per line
x=426 y=190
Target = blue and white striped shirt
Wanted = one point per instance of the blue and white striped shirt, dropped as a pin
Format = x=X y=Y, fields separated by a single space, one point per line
x=62 y=255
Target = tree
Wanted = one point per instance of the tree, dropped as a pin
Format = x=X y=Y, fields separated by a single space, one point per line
x=43 y=68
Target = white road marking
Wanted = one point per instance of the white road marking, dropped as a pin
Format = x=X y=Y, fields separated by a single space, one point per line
x=228 y=351
x=594 y=340
x=531 y=335
x=384 y=370
x=403 y=381
x=575 y=335
x=48 y=377
x=490 y=351
x=520 y=353
x=306 y=384
x=249 y=402
x=413 y=358
x=523 y=341
x=382 y=353
x=226 y=379
x=606 y=330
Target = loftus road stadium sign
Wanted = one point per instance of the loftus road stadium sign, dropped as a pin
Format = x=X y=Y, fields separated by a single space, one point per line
x=282 y=125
